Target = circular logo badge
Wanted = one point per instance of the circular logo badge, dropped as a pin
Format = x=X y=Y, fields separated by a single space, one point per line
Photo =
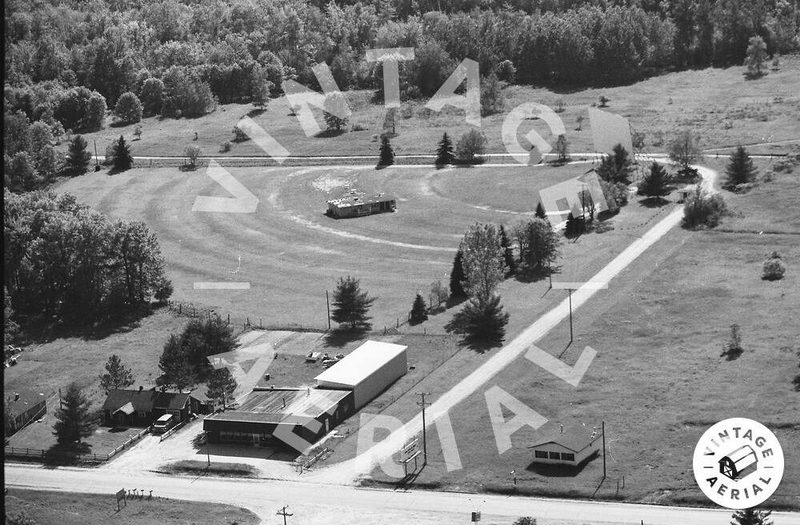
x=738 y=463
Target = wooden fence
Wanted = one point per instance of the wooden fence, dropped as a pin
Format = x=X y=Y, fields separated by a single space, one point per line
x=39 y=454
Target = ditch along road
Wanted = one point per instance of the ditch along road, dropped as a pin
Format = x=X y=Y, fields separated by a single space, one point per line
x=315 y=504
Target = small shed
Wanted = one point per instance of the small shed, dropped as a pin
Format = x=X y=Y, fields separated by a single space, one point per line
x=739 y=463
x=686 y=191
x=357 y=204
x=564 y=444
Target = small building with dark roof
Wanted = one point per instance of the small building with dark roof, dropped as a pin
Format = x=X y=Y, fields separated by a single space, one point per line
x=22 y=407
x=269 y=417
x=559 y=444
x=139 y=408
x=357 y=204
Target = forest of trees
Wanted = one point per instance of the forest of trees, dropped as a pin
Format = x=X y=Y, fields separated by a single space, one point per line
x=181 y=58
x=64 y=261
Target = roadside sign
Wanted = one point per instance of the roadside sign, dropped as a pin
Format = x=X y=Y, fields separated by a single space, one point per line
x=476 y=516
x=409 y=450
x=121 y=497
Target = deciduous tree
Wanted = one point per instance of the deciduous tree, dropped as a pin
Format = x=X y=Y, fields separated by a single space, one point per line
x=128 y=108
x=117 y=375
x=335 y=106
x=538 y=244
x=471 y=147
x=483 y=260
x=751 y=516
x=756 y=58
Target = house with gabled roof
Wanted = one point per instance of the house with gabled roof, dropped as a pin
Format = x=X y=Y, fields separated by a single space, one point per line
x=564 y=444
x=139 y=408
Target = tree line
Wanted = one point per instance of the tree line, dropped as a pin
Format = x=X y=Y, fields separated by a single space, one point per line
x=231 y=51
x=64 y=260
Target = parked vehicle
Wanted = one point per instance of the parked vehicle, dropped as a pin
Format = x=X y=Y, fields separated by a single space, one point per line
x=164 y=423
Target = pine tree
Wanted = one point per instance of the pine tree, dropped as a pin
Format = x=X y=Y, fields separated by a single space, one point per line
x=419 y=310
x=457 y=277
x=540 y=211
x=122 y=155
x=444 y=153
x=482 y=321
x=387 y=153
x=78 y=156
x=574 y=226
x=350 y=304
x=73 y=419
x=751 y=516
x=221 y=385
x=756 y=57
x=656 y=183
x=116 y=376
x=562 y=149
x=616 y=167
x=508 y=252
x=740 y=169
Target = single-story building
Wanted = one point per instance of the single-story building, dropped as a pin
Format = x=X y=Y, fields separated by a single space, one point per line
x=270 y=416
x=355 y=204
x=139 y=408
x=22 y=407
x=560 y=444
x=366 y=371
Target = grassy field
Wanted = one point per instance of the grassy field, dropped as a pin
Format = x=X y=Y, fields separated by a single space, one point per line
x=659 y=380
x=291 y=253
x=719 y=104
x=47 y=366
x=60 y=508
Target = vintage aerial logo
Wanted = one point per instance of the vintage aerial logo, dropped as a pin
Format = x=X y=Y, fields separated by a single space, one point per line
x=738 y=463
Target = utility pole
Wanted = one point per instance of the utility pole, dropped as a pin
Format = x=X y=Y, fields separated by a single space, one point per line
x=570 y=314
x=423 y=404
x=328 y=304
x=283 y=513
x=205 y=433
x=96 y=158
x=604 y=450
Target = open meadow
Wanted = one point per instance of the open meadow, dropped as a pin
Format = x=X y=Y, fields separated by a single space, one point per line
x=720 y=105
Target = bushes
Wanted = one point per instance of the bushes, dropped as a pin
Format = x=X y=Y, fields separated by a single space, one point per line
x=774 y=268
x=471 y=147
x=703 y=210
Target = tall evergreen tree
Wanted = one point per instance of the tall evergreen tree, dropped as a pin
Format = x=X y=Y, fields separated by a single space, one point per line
x=116 y=376
x=616 y=167
x=419 y=310
x=656 y=183
x=387 y=153
x=221 y=385
x=444 y=152
x=457 y=277
x=123 y=159
x=351 y=305
x=540 y=211
x=73 y=419
x=740 y=169
x=508 y=252
x=482 y=320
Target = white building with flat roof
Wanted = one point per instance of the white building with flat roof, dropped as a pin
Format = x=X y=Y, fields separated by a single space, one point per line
x=367 y=371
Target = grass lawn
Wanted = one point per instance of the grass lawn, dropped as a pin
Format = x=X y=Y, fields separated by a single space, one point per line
x=658 y=380
x=719 y=104
x=60 y=508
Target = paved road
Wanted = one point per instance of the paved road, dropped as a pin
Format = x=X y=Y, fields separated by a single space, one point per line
x=325 y=504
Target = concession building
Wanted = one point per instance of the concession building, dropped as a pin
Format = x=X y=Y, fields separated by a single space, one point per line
x=299 y=417
x=564 y=444
x=355 y=204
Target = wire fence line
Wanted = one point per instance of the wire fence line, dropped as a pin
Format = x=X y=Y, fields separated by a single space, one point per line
x=45 y=455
